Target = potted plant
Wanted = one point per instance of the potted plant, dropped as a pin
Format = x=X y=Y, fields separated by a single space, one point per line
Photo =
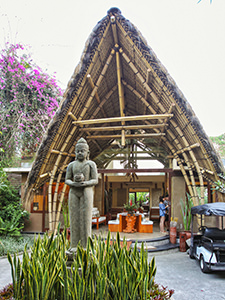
x=131 y=207
x=186 y=213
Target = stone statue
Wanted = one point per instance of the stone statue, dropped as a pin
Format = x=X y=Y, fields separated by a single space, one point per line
x=81 y=176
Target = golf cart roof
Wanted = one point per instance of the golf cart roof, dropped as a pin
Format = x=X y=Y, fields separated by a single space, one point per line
x=216 y=209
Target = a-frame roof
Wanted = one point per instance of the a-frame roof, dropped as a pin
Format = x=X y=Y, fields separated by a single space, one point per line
x=120 y=94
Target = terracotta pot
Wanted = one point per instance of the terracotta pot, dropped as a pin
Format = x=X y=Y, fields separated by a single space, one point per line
x=182 y=236
x=188 y=234
x=131 y=219
x=173 y=235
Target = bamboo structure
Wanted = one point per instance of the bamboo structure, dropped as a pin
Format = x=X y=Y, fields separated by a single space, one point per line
x=121 y=97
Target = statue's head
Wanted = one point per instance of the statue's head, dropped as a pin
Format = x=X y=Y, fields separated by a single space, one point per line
x=82 y=149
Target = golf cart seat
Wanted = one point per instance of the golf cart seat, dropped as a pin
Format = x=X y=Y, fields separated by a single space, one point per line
x=213 y=237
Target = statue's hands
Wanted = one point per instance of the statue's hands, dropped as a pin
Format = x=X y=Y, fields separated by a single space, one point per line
x=83 y=183
x=79 y=184
x=73 y=183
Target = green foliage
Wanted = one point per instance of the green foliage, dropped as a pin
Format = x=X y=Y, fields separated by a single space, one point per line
x=131 y=206
x=10 y=227
x=219 y=143
x=9 y=244
x=219 y=185
x=66 y=215
x=12 y=214
x=105 y=270
x=186 y=211
x=8 y=194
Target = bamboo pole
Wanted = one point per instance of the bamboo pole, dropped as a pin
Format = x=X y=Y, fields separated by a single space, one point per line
x=72 y=116
x=45 y=174
x=202 y=190
x=141 y=79
x=62 y=153
x=120 y=119
x=59 y=208
x=116 y=136
x=114 y=30
x=187 y=148
x=53 y=176
x=154 y=97
x=97 y=84
x=181 y=168
x=121 y=93
x=54 y=203
x=96 y=94
x=125 y=127
x=104 y=101
x=147 y=80
x=193 y=190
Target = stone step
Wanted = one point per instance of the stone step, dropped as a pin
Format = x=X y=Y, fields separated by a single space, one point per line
x=159 y=244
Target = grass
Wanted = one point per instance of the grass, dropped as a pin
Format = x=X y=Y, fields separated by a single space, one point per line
x=14 y=244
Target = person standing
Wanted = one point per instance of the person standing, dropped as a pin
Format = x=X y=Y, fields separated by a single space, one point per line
x=166 y=203
x=162 y=214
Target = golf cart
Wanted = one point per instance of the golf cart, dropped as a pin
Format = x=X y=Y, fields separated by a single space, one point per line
x=208 y=245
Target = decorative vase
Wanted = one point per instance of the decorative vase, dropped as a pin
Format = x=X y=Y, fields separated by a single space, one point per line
x=130 y=219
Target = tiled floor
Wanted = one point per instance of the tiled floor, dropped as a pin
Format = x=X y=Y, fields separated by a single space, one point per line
x=103 y=230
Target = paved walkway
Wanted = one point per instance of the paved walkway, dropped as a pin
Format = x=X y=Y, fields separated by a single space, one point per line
x=179 y=272
x=175 y=270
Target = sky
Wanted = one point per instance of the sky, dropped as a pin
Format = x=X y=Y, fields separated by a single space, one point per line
x=188 y=38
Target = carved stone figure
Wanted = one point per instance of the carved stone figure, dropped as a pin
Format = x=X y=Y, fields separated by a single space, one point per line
x=81 y=176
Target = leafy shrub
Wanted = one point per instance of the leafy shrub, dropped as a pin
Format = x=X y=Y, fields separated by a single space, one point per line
x=104 y=270
x=12 y=214
x=14 y=244
x=7 y=292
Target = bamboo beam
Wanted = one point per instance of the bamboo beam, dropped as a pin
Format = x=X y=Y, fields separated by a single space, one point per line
x=97 y=84
x=138 y=95
x=45 y=174
x=126 y=119
x=72 y=116
x=183 y=171
x=104 y=100
x=125 y=127
x=90 y=80
x=147 y=80
x=188 y=148
x=120 y=92
x=57 y=216
x=114 y=30
x=116 y=136
x=141 y=79
x=146 y=93
x=62 y=153
x=192 y=185
x=202 y=190
x=124 y=158
x=156 y=100
x=52 y=179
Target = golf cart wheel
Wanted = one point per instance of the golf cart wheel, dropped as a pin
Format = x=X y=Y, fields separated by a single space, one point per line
x=203 y=266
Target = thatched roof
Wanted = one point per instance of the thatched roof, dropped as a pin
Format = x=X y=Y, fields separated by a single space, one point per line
x=120 y=76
